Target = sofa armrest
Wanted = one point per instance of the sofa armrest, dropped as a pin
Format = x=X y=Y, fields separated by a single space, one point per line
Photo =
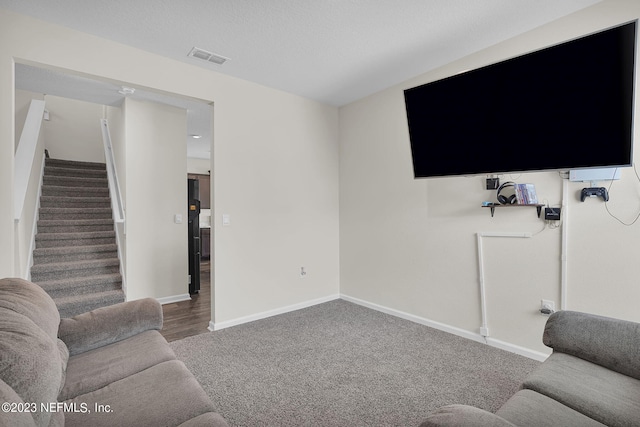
x=464 y=416
x=110 y=324
x=608 y=342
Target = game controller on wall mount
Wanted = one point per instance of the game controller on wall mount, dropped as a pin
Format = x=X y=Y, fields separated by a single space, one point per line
x=594 y=192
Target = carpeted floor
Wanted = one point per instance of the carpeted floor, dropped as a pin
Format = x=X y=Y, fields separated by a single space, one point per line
x=340 y=364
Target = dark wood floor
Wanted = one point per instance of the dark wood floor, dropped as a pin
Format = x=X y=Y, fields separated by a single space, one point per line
x=186 y=318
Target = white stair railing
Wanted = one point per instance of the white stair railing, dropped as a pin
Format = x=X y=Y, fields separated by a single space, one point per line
x=117 y=206
x=23 y=160
x=114 y=186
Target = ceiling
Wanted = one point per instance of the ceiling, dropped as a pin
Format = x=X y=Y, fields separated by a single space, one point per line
x=333 y=51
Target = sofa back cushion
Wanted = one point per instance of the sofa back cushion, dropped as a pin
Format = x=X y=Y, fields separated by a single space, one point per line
x=608 y=342
x=32 y=301
x=32 y=362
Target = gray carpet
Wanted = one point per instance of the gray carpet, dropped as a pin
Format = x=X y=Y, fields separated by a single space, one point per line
x=340 y=364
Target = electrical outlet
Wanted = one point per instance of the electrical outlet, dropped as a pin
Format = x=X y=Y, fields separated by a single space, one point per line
x=547 y=307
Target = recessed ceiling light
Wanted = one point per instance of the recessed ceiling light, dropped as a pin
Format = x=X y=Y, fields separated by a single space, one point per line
x=126 y=91
x=205 y=55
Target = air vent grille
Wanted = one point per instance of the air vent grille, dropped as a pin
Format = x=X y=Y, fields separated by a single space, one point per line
x=196 y=52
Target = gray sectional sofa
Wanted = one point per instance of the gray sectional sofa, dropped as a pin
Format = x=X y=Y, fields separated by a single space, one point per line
x=108 y=367
x=592 y=378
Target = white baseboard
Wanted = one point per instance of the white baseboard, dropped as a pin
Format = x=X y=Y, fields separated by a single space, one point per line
x=417 y=319
x=263 y=315
x=532 y=354
x=174 y=298
x=522 y=351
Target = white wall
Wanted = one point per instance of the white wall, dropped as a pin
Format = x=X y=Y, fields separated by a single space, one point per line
x=198 y=166
x=7 y=153
x=156 y=156
x=410 y=245
x=277 y=179
x=73 y=130
x=275 y=166
x=25 y=226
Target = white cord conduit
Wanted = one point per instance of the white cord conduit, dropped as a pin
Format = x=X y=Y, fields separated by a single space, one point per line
x=484 y=329
x=563 y=256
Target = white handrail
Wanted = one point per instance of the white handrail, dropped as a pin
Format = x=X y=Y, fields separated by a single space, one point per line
x=23 y=160
x=114 y=186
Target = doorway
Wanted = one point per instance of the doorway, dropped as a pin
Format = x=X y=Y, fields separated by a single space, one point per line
x=69 y=84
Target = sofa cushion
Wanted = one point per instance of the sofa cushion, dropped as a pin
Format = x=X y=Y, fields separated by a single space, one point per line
x=94 y=369
x=612 y=343
x=527 y=408
x=30 y=362
x=464 y=416
x=163 y=395
x=31 y=301
x=209 y=419
x=107 y=325
x=602 y=394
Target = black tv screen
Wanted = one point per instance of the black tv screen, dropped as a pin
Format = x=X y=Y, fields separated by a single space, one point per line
x=568 y=106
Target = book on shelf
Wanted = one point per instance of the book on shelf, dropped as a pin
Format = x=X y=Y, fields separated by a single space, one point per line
x=526 y=194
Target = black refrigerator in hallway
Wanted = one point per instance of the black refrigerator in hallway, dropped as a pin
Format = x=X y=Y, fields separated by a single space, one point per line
x=193 y=195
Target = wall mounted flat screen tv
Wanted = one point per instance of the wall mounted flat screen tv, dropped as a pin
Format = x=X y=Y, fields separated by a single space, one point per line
x=568 y=106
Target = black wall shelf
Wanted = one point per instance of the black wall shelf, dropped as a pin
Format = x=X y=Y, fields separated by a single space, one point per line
x=496 y=205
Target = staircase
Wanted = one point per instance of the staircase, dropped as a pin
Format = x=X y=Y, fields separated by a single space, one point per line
x=76 y=257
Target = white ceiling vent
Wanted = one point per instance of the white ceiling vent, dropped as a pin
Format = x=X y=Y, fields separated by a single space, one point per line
x=196 y=52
